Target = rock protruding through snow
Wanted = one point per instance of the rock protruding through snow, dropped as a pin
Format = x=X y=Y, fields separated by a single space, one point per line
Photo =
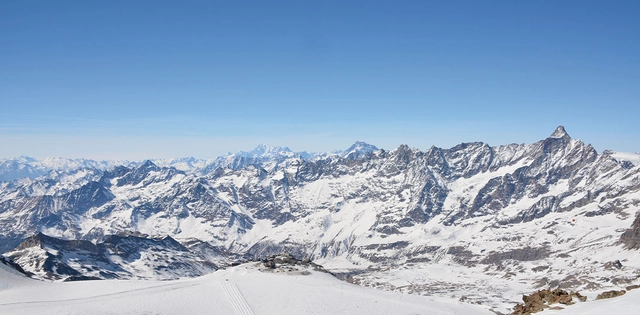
x=538 y=301
x=287 y=263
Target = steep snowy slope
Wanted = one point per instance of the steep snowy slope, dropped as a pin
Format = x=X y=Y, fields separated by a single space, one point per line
x=10 y=278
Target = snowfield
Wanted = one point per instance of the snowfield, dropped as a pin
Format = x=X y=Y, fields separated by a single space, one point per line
x=626 y=304
x=241 y=290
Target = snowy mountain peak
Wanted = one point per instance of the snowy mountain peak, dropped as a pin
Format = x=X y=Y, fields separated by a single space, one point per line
x=148 y=165
x=264 y=150
x=21 y=159
x=362 y=146
x=358 y=150
x=633 y=159
x=560 y=133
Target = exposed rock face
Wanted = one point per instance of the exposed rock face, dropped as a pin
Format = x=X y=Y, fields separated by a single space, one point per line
x=632 y=287
x=631 y=237
x=610 y=294
x=520 y=254
x=538 y=301
x=15 y=266
x=119 y=256
x=44 y=257
x=285 y=259
x=613 y=265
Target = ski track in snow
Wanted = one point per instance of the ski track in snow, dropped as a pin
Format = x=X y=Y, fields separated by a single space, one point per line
x=238 y=301
x=316 y=293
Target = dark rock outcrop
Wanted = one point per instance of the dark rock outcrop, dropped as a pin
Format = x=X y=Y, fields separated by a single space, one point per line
x=286 y=259
x=610 y=294
x=538 y=301
x=630 y=238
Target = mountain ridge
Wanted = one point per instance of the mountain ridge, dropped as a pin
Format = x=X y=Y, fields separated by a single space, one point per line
x=551 y=213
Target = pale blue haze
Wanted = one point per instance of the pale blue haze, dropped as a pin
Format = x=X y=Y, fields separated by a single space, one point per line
x=152 y=79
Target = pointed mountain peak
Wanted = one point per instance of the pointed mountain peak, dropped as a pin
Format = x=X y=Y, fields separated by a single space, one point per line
x=39 y=236
x=148 y=164
x=35 y=240
x=560 y=133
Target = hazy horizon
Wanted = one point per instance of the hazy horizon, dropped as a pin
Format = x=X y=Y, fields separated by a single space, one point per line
x=148 y=79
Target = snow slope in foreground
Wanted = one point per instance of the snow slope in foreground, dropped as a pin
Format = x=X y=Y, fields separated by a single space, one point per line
x=626 y=304
x=241 y=290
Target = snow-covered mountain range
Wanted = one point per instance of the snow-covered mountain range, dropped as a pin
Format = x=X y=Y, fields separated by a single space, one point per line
x=263 y=154
x=481 y=223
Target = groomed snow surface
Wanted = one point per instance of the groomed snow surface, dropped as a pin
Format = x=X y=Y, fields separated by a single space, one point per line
x=241 y=290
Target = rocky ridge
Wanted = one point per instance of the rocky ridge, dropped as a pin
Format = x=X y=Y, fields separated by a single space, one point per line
x=554 y=213
x=540 y=300
x=123 y=256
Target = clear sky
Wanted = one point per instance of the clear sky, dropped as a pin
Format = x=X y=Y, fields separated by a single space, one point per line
x=152 y=79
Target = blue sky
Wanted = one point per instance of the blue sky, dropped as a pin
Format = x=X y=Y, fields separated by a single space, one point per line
x=153 y=79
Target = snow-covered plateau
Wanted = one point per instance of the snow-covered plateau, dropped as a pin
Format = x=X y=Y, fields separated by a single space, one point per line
x=475 y=223
x=242 y=290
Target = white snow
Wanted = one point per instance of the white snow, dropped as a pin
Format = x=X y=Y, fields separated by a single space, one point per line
x=625 y=156
x=241 y=290
x=626 y=304
x=464 y=189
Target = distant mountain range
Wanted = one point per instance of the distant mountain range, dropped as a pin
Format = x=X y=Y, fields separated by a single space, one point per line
x=484 y=222
x=28 y=167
